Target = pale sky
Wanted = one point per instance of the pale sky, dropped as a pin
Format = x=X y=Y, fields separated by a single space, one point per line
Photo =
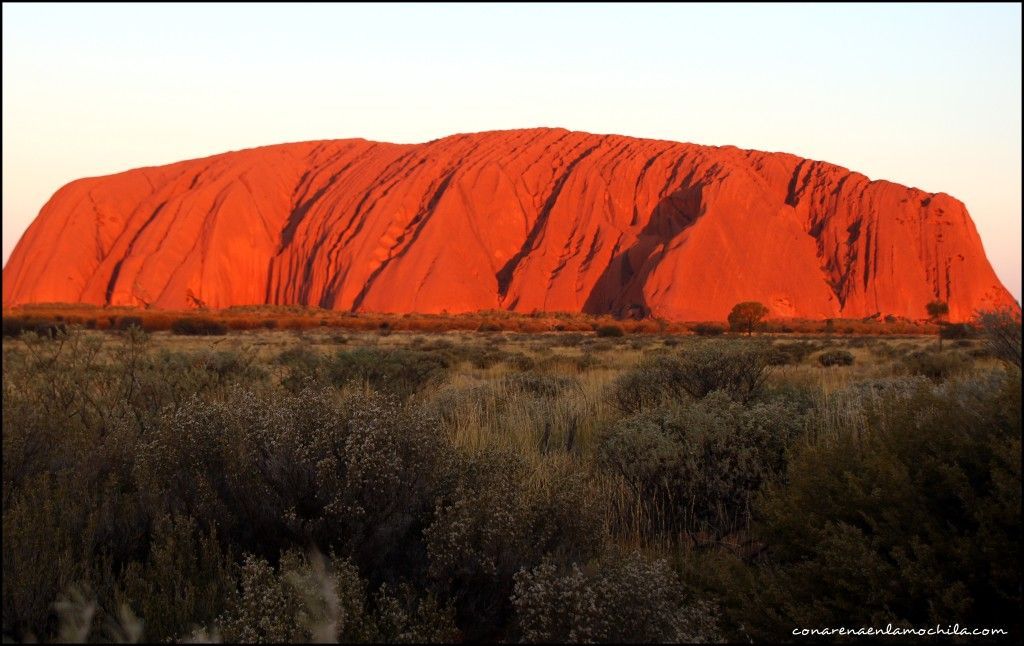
x=923 y=95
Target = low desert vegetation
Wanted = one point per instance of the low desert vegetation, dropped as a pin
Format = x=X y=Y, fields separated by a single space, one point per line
x=297 y=318
x=192 y=326
x=312 y=483
x=609 y=331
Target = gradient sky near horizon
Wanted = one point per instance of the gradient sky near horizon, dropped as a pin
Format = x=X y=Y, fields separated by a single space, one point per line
x=923 y=95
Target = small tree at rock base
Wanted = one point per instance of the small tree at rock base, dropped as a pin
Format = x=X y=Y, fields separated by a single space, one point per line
x=937 y=310
x=746 y=316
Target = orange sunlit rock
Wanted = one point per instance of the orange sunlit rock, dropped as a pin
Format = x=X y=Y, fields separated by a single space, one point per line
x=524 y=220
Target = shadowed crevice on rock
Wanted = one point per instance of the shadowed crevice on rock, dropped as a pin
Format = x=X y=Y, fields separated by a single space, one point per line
x=622 y=281
x=116 y=272
x=413 y=230
x=506 y=273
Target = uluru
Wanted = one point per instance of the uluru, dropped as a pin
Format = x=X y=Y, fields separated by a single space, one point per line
x=522 y=220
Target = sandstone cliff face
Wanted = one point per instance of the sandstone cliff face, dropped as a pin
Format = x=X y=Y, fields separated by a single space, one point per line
x=524 y=220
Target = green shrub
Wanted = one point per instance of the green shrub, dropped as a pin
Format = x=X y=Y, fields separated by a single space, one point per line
x=935 y=365
x=503 y=516
x=585 y=361
x=791 y=353
x=709 y=329
x=481 y=357
x=49 y=328
x=955 y=331
x=697 y=467
x=615 y=600
x=375 y=469
x=561 y=363
x=198 y=326
x=609 y=331
x=125 y=322
x=357 y=474
x=539 y=384
x=893 y=351
x=573 y=339
x=520 y=361
x=11 y=327
x=831 y=358
x=184 y=581
x=399 y=370
x=42 y=553
x=739 y=368
x=982 y=352
x=801 y=395
x=655 y=381
x=1001 y=330
x=402 y=371
x=406 y=617
x=300 y=356
x=304 y=600
x=736 y=367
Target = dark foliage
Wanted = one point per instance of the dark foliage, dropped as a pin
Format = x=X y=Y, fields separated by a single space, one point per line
x=709 y=329
x=609 y=331
x=831 y=358
x=197 y=326
x=910 y=516
x=697 y=467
